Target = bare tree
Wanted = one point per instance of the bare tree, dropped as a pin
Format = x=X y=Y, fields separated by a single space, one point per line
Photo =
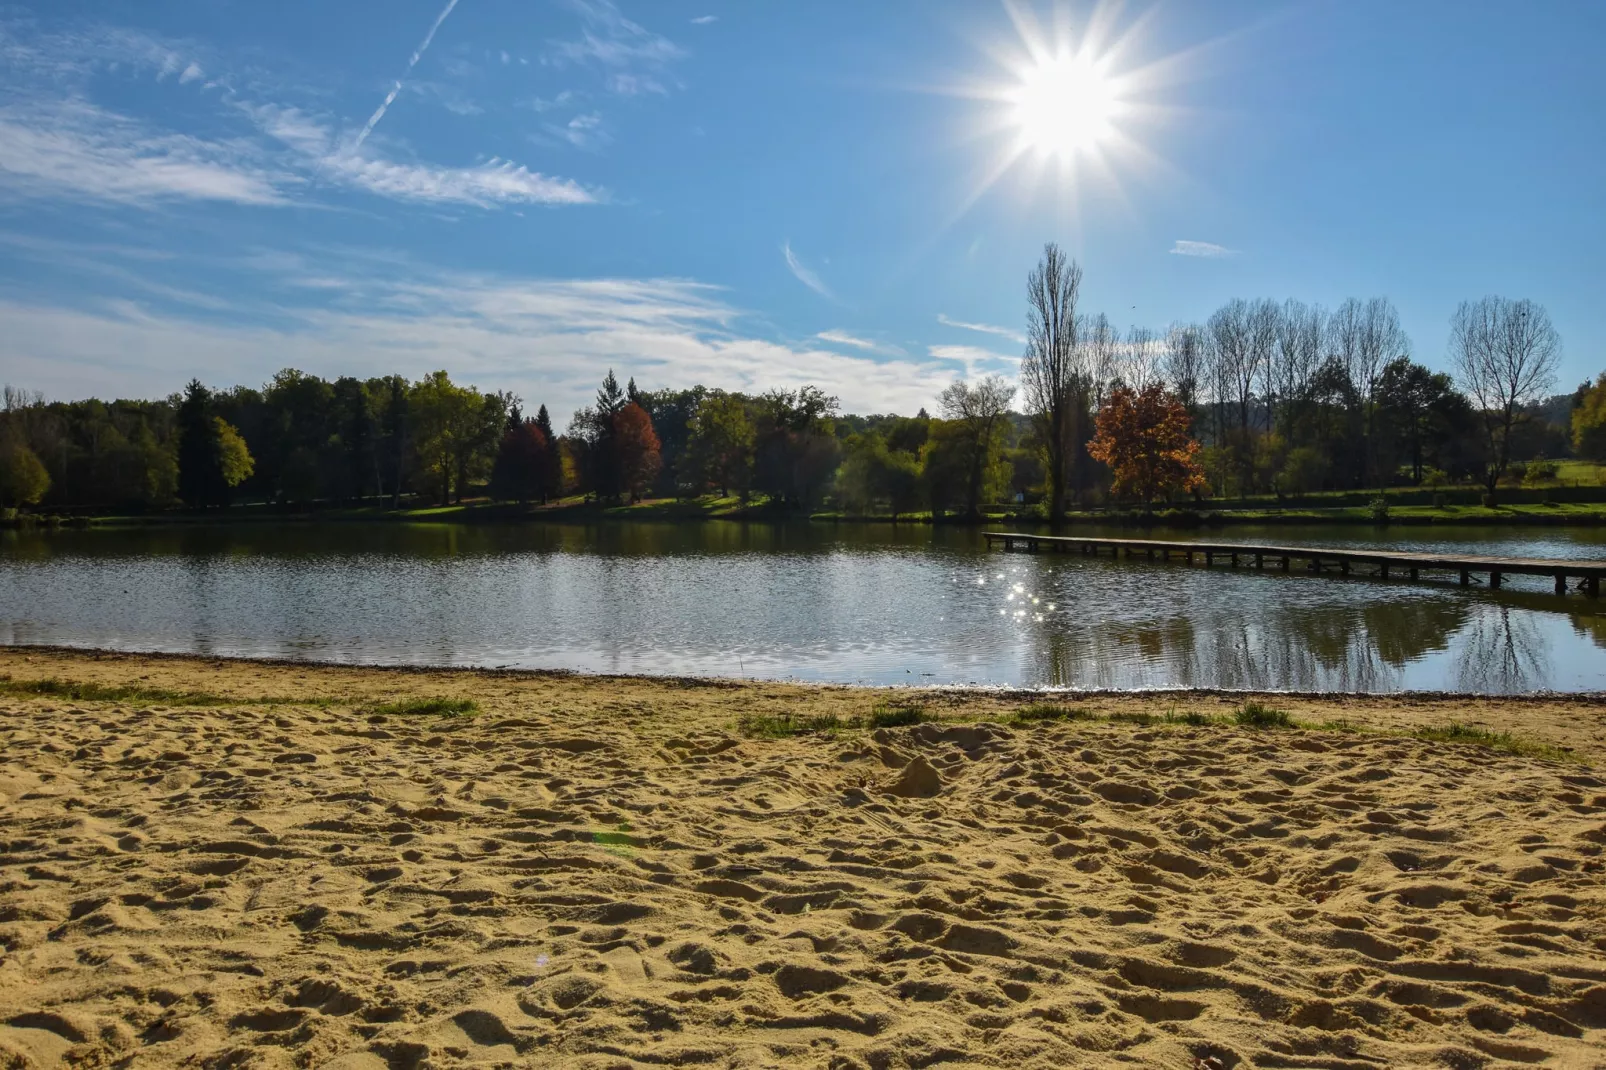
x=979 y=409
x=1299 y=354
x=1141 y=358
x=1364 y=336
x=1265 y=325
x=1055 y=383
x=1505 y=355
x=1184 y=362
x=1233 y=348
x=1099 y=353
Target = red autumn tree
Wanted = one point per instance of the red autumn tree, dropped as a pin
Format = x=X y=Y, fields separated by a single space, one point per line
x=635 y=450
x=1143 y=437
x=523 y=460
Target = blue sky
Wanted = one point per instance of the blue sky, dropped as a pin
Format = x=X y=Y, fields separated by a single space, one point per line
x=761 y=194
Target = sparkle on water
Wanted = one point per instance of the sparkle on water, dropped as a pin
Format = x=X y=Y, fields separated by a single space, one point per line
x=850 y=603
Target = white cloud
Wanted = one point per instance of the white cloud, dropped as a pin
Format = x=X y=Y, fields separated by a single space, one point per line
x=704 y=20
x=583 y=131
x=975 y=360
x=984 y=328
x=495 y=182
x=843 y=338
x=804 y=274
x=549 y=340
x=56 y=144
x=1201 y=248
x=74 y=149
x=637 y=56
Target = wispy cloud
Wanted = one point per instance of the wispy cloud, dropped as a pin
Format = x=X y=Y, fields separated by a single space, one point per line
x=636 y=57
x=975 y=360
x=74 y=149
x=583 y=131
x=545 y=338
x=984 y=328
x=704 y=20
x=495 y=182
x=804 y=274
x=390 y=98
x=1206 y=249
x=55 y=143
x=843 y=338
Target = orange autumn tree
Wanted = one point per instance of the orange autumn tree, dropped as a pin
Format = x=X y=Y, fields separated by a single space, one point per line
x=637 y=449
x=1143 y=437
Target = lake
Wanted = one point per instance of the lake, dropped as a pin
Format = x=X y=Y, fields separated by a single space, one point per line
x=870 y=604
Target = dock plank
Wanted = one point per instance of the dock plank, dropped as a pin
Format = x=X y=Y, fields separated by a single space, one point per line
x=1560 y=569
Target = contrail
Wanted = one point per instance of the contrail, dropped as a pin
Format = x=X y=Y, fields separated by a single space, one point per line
x=390 y=98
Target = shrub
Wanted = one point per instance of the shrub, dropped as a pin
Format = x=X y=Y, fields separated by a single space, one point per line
x=1045 y=711
x=1380 y=510
x=785 y=725
x=1255 y=715
x=1540 y=472
x=445 y=707
x=896 y=715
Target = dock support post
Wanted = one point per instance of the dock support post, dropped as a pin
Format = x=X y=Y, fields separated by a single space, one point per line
x=1234 y=560
x=1466 y=577
x=1210 y=558
x=1494 y=581
x=1150 y=552
x=1260 y=561
x=1315 y=564
x=1592 y=586
x=1343 y=567
x=1561 y=583
x=1413 y=572
x=1285 y=562
x=1190 y=557
x=1383 y=570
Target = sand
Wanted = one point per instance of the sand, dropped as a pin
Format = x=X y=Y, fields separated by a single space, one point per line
x=604 y=873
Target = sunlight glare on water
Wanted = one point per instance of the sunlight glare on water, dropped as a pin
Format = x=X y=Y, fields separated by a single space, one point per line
x=857 y=604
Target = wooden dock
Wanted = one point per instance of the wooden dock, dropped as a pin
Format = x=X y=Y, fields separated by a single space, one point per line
x=1319 y=559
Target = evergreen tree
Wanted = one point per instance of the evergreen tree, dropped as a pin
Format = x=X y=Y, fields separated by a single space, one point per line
x=200 y=454
x=552 y=477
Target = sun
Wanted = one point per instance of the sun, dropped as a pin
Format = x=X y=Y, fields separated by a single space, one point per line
x=1074 y=103
x=1064 y=105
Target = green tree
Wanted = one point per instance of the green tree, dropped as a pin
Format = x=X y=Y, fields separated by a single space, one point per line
x=23 y=479
x=720 y=448
x=979 y=411
x=201 y=482
x=1589 y=422
x=234 y=459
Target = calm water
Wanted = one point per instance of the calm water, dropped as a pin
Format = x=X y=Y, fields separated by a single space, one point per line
x=858 y=604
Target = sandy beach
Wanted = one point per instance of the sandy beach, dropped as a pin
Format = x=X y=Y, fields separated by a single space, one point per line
x=606 y=872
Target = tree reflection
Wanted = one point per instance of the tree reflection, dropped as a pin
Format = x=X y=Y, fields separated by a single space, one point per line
x=1500 y=653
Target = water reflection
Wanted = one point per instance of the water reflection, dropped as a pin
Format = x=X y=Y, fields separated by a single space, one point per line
x=851 y=603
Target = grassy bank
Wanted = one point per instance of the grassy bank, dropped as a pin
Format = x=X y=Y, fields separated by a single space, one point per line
x=709 y=507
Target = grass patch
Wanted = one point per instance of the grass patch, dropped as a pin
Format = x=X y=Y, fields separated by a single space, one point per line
x=786 y=725
x=1255 y=715
x=87 y=692
x=427 y=707
x=1500 y=741
x=1192 y=717
x=897 y=715
x=1047 y=711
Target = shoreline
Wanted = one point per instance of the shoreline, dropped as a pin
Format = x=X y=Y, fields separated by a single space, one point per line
x=280 y=864
x=666 y=511
x=693 y=680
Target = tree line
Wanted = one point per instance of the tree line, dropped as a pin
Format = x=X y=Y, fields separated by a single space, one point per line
x=1264 y=397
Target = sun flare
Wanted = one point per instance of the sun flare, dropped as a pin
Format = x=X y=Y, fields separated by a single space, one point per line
x=1064 y=105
